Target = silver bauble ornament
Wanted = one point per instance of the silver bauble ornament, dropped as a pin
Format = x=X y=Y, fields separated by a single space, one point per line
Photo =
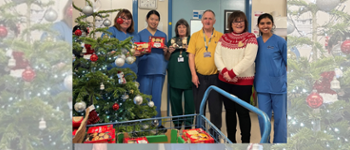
x=145 y=127
x=80 y=106
x=132 y=51
x=137 y=84
x=138 y=100
x=119 y=62
x=327 y=5
x=122 y=56
x=107 y=23
x=130 y=60
x=50 y=15
x=124 y=51
x=125 y=96
x=155 y=123
x=87 y=10
x=68 y=81
x=150 y=103
x=153 y=132
x=290 y=27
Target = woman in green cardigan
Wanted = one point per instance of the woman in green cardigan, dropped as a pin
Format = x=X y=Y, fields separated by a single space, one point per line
x=179 y=74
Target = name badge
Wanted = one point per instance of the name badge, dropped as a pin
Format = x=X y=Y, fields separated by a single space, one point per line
x=180 y=59
x=207 y=54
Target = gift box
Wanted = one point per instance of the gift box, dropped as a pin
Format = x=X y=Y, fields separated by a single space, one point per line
x=156 y=42
x=100 y=129
x=142 y=47
x=179 y=43
x=139 y=140
x=196 y=136
x=76 y=121
x=171 y=136
x=101 y=134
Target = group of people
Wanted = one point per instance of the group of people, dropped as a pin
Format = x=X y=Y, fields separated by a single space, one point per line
x=233 y=61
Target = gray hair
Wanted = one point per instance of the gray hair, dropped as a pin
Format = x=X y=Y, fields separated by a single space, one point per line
x=209 y=10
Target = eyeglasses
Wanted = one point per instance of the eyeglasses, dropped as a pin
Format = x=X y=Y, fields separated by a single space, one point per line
x=126 y=18
x=237 y=22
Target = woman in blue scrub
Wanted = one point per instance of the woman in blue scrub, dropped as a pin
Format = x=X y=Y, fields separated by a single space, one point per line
x=123 y=31
x=271 y=77
x=152 y=66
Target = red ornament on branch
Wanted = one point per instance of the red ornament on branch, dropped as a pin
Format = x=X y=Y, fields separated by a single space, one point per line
x=345 y=47
x=3 y=31
x=93 y=117
x=78 y=32
x=28 y=74
x=314 y=100
x=120 y=20
x=115 y=106
x=93 y=57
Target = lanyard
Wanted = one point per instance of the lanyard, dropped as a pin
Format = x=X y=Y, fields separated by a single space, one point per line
x=205 y=40
x=180 y=53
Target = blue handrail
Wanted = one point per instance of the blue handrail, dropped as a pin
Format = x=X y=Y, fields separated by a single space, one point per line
x=267 y=126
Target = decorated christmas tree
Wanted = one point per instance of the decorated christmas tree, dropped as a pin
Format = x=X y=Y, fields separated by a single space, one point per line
x=112 y=94
x=34 y=111
x=318 y=75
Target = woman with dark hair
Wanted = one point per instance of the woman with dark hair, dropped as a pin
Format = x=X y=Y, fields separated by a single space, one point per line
x=271 y=77
x=179 y=74
x=152 y=67
x=234 y=57
x=123 y=31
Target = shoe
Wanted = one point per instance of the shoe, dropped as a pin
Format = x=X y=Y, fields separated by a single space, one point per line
x=161 y=129
x=178 y=126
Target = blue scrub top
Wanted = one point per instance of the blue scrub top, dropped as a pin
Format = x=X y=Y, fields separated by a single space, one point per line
x=153 y=63
x=270 y=66
x=121 y=36
x=65 y=32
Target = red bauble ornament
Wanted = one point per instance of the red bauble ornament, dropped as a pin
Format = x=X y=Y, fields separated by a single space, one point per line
x=93 y=57
x=87 y=46
x=314 y=100
x=28 y=74
x=3 y=31
x=345 y=47
x=120 y=20
x=115 y=106
x=78 y=32
x=70 y=11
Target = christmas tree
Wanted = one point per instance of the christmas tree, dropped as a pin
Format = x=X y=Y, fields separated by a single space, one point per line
x=113 y=93
x=34 y=114
x=318 y=76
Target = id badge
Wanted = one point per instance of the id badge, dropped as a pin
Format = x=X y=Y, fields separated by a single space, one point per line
x=207 y=54
x=180 y=59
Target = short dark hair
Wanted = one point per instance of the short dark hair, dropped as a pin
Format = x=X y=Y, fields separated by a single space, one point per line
x=126 y=13
x=153 y=12
x=265 y=15
x=235 y=16
x=182 y=22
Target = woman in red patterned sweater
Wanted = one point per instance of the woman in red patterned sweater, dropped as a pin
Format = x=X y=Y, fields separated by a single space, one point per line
x=234 y=57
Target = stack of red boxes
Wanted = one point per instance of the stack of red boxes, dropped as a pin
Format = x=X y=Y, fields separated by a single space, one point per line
x=101 y=134
x=196 y=136
x=139 y=140
x=76 y=122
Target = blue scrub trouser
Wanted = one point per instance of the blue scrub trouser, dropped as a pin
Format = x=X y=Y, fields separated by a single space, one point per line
x=152 y=85
x=276 y=102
